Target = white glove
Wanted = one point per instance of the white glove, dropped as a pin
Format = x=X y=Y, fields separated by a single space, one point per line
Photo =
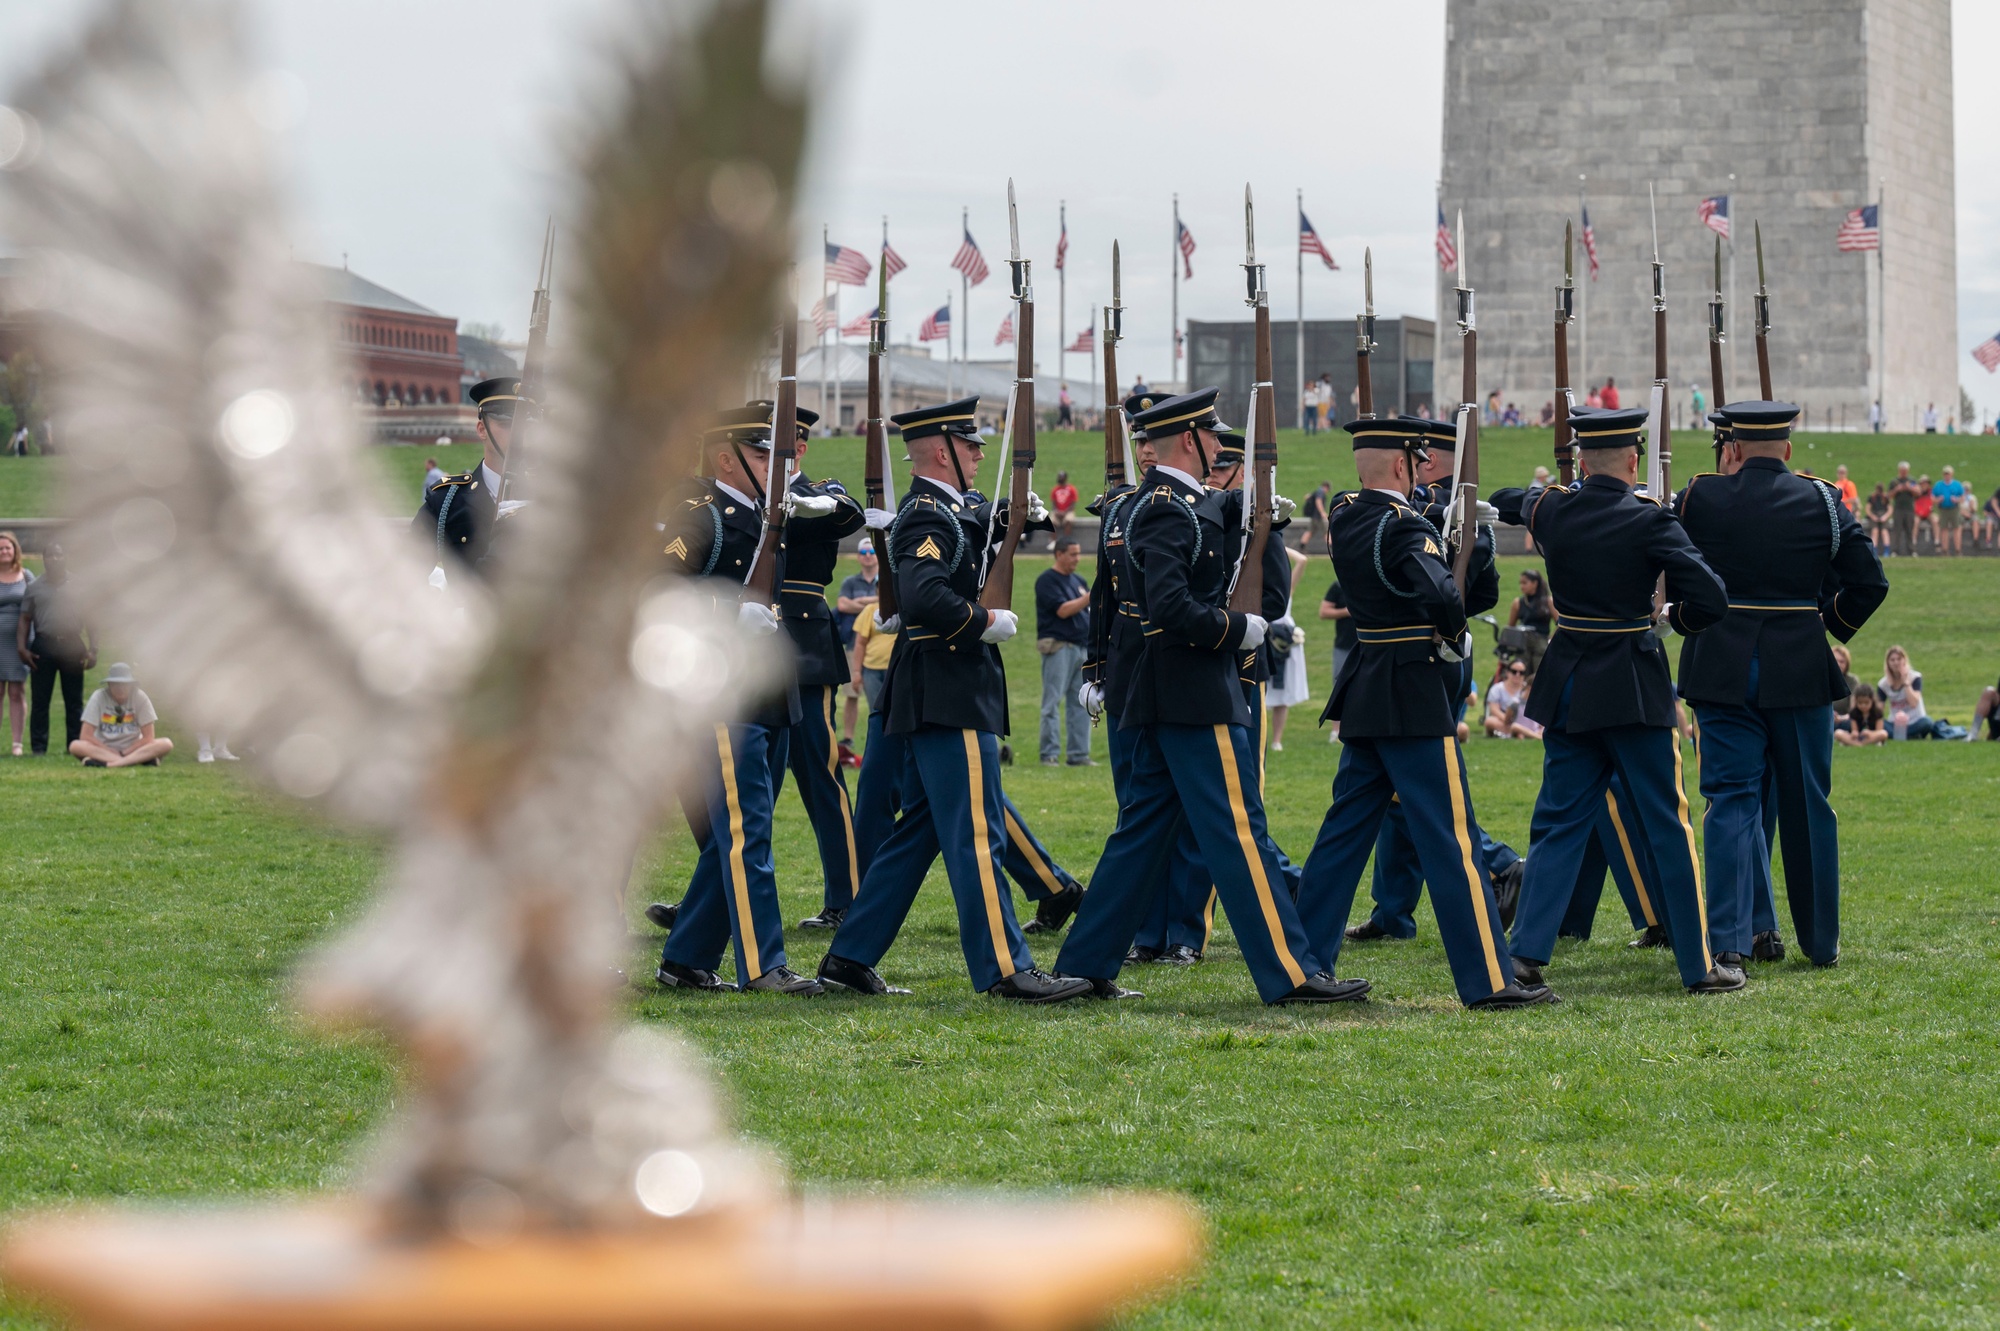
x=437 y=578
x=1254 y=629
x=757 y=617
x=1459 y=650
x=1092 y=698
x=1483 y=513
x=509 y=507
x=1003 y=625
x=879 y=519
x=893 y=624
x=1037 y=511
x=809 y=506
x=1663 y=622
x=1282 y=509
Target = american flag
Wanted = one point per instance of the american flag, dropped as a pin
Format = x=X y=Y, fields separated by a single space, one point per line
x=1446 y=247
x=937 y=327
x=822 y=316
x=1589 y=242
x=1715 y=213
x=1086 y=341
x=850 y=268
x=892 y=262
x=1062 y=244
x=1987 y=353
x=1310 y=243
x=1862 y=230
x=858 y=327
x=1187 y=247
x=1006 y=333
x=970 y=261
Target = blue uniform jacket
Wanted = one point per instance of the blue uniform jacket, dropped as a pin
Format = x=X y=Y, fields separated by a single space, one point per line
x=812 y=550
x=1186 y=673
x=940 y=673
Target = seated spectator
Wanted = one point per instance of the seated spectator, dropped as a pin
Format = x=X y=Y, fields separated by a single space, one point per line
x=118 y=725
x=1988 y=710
x=1901 y=693
x=1505 y=700
x=1846 y=664
x=1878 y=519
x=1525 y=726
x=1864 y=723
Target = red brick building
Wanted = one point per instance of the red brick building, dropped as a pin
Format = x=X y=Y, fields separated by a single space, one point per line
x=405 y=363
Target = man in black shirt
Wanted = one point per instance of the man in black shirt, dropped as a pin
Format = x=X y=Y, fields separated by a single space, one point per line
x=1062 y=629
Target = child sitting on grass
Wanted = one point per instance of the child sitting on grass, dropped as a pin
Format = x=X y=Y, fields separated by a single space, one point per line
x=118 y=725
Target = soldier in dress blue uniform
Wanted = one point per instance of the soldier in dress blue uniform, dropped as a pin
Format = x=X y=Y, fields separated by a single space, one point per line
x=1604 y=693
x=734 y=892
x=1192 y=756
x=947 y=699
x=459 y=511
x=1763 y=681
x=1398 y=724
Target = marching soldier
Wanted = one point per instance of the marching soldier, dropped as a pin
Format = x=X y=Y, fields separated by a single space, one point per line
x=947 y=698
x=1398 y=731
x=733 y=895
x=1604 y=693
x=1762 y=682
x=459 y=511
x=1191 y=757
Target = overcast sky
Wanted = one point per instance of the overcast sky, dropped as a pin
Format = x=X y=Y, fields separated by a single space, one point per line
x=427 y=149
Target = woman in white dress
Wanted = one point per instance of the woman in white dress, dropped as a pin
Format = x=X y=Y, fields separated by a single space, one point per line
x=1288 y=671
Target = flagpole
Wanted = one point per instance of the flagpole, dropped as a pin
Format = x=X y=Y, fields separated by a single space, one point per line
x=1733 y=212
x=1174 y=334
x=1062 y=301
x=888 y=361
x=1881 y=303
x=1583 y=302
x=964 y=299
x=1299 y=350
x=833 y=422
x=949 y=389
x=823 y=238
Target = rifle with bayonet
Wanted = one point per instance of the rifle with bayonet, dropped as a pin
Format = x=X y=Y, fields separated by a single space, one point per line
x=877 y=478
x=998 y=593
x=1465 y=461
x=761 y=587
x=1261 y=473
x=1718 y=331
x=532 y=364
x=1565 y=315
x=1763 y=324
x=1659 y=431
x=1115 y=440
x=1364 y=336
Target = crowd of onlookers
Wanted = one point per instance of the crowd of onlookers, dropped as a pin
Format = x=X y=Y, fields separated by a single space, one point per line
x=1916 y=515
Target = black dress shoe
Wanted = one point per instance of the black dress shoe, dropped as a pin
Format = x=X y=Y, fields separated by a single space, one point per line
x=673 y=975
x=828 y=918
x=785 y=980
x=1507 y=891
x=1769 y=946
x=1829 y=963
x=1515 y=995
x=1180 y=954
x=664 y=913
x=1139 y=955
x=1736 y=959
x=1721 y=980
x=1105 y=988
x=1323 y=988
x=1654 y=935
x=1038 y=986
x=852 y=976
x=1527 y=974
x=1366 y=932
x=1054 y=912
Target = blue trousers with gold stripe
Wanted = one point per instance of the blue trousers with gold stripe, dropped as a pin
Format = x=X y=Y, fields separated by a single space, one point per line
x=951 y=806
x=734 y=892
x=814 y=757
x=879 y=797
x=1207 y=776
x=1576 y=776
x=1398 y=881
x=1740 y=745
x=1619 y=849
x=1427 y=777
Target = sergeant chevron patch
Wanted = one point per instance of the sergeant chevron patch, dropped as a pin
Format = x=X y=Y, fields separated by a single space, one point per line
x=929 y=549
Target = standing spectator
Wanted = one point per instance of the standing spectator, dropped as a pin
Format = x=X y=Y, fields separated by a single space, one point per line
x=1930 y=418
x=1903 y=511
x=1309 y=407
x=1541 y=476
x=1594 y=399
x=1062 y=505
x=1334 y=607
x=14 y=583
x=1948 y=498
x=1878 y=520
x=1990 y=520
x=1328 y=402
x=1533 y=612
x=118 y=725
x=1505 y=700
x=18 y=445
x=1700 y=407
x=1139 y=386
x=54 y=644
x=1610 y=394
x=873 y=645
x=1062 y=627
x=1863 y=724
x=1065 y=410
x=1901 y=693
x=1547 y=416
x=1286 y=642
x=433 y=473
x=1875 y=415
x=858 y=592
x=1316 y=503
x=1850 y=493
x=1926 y=510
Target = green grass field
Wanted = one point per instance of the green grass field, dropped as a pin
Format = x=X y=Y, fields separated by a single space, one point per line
x=1820 y=1151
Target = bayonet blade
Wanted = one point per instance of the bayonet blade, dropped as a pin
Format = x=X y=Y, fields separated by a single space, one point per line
x=1249 y=227
x=1569 y=254
x=1653 y=203
x=1718 y=267
x=1758 y=227
x=1464 y=282
x=1368 y=280
x=1117 y=280
x=1013 y=224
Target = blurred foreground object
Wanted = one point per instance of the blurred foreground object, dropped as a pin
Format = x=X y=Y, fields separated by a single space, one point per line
x=540 y=1167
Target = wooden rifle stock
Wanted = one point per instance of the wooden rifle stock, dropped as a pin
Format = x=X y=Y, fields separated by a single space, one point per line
x=998 y=593
x=1248 y=598
x=1715 y=372
x=1114 y=430
x=876 y=465
x=762 y=584
x=1565 y=442
x=1764 y=365
x=1468 y=466
x=1364 y=382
